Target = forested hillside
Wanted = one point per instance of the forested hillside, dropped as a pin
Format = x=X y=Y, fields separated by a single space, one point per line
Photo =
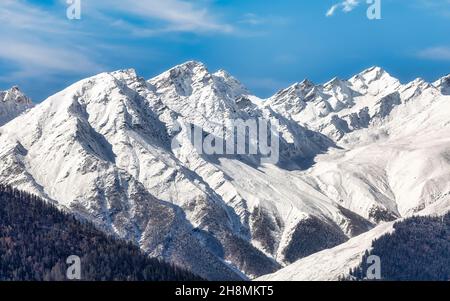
x=36 y=239
x=419 y=250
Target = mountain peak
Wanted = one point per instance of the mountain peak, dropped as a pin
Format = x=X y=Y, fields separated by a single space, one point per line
x=443 y=84
x=334 y=82
x=376 y=69
x=371 y=74
x=223 y=73
x=130 y=71
x=186 y=70
x=126 y=75
x=374 y=80
x=233 y=86
x=14 y=95
x=306 y=83
x=194 y=77
x=190 y=65
x=13 y=103
x=419 y=83
x=15 y=88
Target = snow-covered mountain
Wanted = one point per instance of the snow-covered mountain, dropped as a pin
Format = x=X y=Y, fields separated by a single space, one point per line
x=443 y=84
x=104 y=149
x=13 y=103
x=381 y=126
x=396 y=158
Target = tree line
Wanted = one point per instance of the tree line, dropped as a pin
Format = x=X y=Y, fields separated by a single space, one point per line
x=418 y=250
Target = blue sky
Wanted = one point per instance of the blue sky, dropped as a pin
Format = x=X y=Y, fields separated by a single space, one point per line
x=268 y=45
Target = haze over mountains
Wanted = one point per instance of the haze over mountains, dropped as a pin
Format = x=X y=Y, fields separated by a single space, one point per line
x=354 y=154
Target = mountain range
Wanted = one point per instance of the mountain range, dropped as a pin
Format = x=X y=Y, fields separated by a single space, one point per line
x=356 y=155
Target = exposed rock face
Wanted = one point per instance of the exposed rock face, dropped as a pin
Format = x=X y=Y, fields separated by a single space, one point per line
x=104 y=149
x=13 y=103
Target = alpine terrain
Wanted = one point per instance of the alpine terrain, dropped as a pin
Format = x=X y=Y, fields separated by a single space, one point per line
x=355 y=156
x=13 y=103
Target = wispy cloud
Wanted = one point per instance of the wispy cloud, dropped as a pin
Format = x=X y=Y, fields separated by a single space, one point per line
x=440 y=53
x=35 y=43
x=22 y=16
x=441 y=7
x=252 y=19
x=438 y=7
x=39 y=41
x=346 y=6
x=156 y=16
x=37 y=59
x=332 y=10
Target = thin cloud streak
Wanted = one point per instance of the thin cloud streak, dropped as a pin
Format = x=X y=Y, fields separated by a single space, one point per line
x=441 y=7
x=47 y=51
x=346 y=6
x=440 y=53
x=175 y=15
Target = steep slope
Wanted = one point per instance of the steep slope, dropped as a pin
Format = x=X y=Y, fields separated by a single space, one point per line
x=36 y=239
x=270 y=215
x=103 y=148
x=118 y=150
x=13 y=103
x=393 y=141
x=418 y=250
x=331 y=264
x=339 y=106
x=443 y=85
x=395 y=165
x=411 y=249
x=82 y=148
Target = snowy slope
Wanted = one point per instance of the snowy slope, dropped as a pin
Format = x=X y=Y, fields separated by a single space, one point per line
x=329 y=265
x=271 y=217
x=335 y=263
x=443 y=85
x=338 y=106
x=104 y=149
x=13 y=103
x=394 y=143
x=396 y=165
x=83 y=148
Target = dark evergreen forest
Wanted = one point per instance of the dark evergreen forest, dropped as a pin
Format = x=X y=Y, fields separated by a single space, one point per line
x=418 y=250
x=36 y=239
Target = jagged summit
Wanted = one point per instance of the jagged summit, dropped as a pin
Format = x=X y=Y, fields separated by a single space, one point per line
x=374 y=81
x=13 y=102
x=374 y=69
x=353 y=154
x=299 y=89
x=223 y=73
x=190 y=64
x=14 y=95
x=335 y=81
x=307 y=83
x=131 y=72
x=371 y=74
x=229 y=83
x=186 y=69
x=420 y=82
x=443 y=84
x=191 y=86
